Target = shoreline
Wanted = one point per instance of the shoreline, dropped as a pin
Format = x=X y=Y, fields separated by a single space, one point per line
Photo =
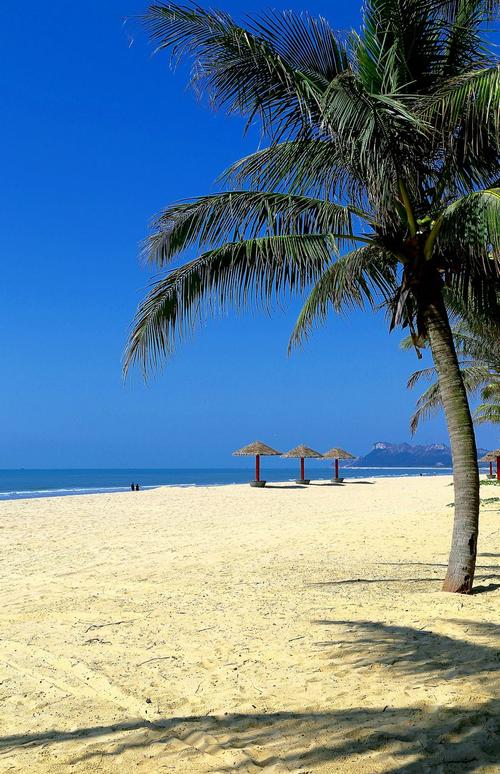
x=39 y=483
x=79 y=491
x=91 y=491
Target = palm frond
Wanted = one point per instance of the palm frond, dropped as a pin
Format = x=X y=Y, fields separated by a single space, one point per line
x=305 y=43
x=427 y=405
x=465 y=49
x=475 y=290
x=475 y=376
x=374 y=134
x=424 y=374
x=407 y=343
x=492 y=390
x=268 y=69
x=430 y=401
x=365 y=275
x=481 y=346
x=302 y=166
x=232 y=216
x=451 y=9
x=256 y=271
x=400 y=44
x=478 y=353
x=487 y=412
x=467 y=102
x=479 y=291
x=470 y=227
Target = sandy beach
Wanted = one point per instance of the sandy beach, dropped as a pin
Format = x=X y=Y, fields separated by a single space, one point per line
x=229 y=629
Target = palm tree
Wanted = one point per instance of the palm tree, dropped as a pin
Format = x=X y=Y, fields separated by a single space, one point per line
x=385 y=142
x=477 y=343
x=490 y=410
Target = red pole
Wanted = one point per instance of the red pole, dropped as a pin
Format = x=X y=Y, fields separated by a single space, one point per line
x=302 y=472
x=257 y=467
x=336 y=468
x=491 y=469
x=498 y=468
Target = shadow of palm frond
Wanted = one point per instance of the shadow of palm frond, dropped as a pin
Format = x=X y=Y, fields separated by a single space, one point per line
x=408 y=740
x=485 y=589
x=413 y=651
x=485 y=575
x=351 y=581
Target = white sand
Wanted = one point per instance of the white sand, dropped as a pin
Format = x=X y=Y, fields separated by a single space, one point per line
x=230 y=629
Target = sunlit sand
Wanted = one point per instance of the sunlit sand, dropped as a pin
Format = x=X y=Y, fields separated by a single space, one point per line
x=231 y=629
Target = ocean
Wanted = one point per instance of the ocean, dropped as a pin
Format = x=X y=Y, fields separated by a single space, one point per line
x=26 y=483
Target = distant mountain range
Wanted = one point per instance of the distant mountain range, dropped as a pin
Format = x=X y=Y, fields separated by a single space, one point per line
x=395 y=455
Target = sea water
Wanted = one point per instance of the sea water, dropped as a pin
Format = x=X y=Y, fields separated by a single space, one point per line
x=26 y=483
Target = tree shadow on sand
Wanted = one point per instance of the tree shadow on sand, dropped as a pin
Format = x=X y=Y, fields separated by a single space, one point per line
x=409 y=740
x=414 y=651
x=484 y=572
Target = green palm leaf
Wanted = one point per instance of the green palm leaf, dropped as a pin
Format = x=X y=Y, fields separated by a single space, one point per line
x=477 y=343
x=255 y=271
x=365 y=275
x=423 y=374
x=472 y=225
x=492 y=390
x=268 y=68
x=466 y=101
x=296 y=166
x=427 y=405
x=487 y=412
x=430 y=401
x=464 y=111
x=236 y=215
x=317 y=167
x=364 y=127
x=399 y=44
x=465 y=48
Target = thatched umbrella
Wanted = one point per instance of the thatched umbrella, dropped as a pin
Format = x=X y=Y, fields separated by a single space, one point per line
x=338 y=454
x=257 y=449
x=488 y=458
x=301 y=452
x=491 y=457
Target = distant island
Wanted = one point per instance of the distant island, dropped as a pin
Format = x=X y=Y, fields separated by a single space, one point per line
x=386 y=454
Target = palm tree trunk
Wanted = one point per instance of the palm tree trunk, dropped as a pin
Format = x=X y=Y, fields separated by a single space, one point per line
x=462 y=559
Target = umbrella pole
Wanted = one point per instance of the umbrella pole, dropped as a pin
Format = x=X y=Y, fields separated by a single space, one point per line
x=257 y=467
x=336 y=468
x=302 y=471
x=491 y=469
x=498 y=468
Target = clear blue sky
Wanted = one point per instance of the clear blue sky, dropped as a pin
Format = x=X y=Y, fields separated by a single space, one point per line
x=96 y=136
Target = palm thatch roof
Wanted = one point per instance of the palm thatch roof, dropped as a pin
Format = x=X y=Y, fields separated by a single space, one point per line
x=257 y=447
x=338 y=454
x=302 y=451
x=491 y=456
